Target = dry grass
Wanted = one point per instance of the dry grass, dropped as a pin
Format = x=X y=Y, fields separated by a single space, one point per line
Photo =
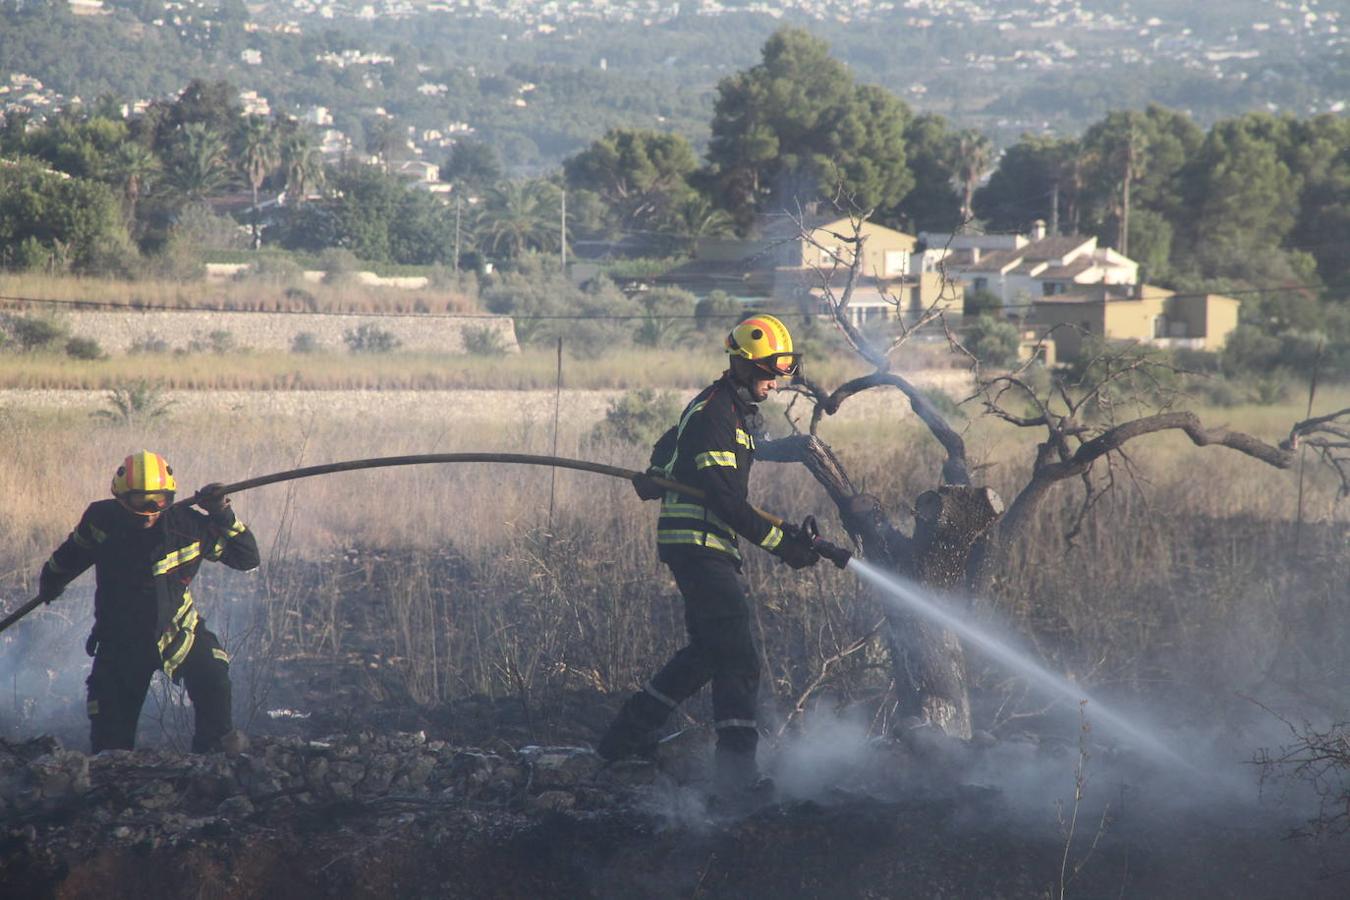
x=1186 y=582
x=288 y=294
x=534 y=368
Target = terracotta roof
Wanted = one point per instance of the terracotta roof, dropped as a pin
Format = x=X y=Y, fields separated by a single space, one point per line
x=1069 y=272
x=1055 y=247
x=1025 y=258
x=996 y=260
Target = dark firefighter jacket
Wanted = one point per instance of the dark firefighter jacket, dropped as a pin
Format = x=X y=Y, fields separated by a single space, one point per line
x=141 y=599
x=712 y=449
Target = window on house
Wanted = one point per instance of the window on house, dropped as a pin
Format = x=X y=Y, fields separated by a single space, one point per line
x=981 y=284
x=896 y=263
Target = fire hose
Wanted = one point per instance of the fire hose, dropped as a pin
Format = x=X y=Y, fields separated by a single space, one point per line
x=809 y=530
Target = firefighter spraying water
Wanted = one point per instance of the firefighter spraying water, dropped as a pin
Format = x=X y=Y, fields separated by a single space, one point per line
x=699 y=470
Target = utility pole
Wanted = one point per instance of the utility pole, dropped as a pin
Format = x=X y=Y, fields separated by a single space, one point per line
x=562 y=244
x=1054 y=209
x=459 y=198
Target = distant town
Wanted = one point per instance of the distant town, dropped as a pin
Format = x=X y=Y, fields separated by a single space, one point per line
x=1057 y=37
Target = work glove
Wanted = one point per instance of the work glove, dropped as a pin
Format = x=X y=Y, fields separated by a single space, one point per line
x=646 y=486
x=213 y=499
x=47 y=592
x=795 y=548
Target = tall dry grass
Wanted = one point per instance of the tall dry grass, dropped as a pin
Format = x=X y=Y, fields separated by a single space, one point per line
x=534 y=368
x=1186 y=584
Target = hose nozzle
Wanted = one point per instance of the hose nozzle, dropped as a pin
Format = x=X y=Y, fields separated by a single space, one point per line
x=833 y=552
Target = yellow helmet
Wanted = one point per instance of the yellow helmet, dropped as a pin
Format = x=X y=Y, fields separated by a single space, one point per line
x=144 y=483
x=766 y=342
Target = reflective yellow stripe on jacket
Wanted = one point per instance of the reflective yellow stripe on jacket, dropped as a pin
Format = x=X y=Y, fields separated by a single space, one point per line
x=697 y=539
x=179 y=557
x=217 y=549
x=175 y=644
x=692 y=511
x=773 y=538
x=711 y=458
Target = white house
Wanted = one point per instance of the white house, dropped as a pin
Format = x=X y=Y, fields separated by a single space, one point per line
x=1020 y=269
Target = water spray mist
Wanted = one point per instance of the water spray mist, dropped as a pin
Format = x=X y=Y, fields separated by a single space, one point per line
x=902 y=593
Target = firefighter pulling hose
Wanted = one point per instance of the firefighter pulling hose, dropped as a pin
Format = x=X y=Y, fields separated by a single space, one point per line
x=146 y=548
x=825 y=548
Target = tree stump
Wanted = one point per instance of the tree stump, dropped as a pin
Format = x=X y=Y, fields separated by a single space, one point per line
x=927 y=660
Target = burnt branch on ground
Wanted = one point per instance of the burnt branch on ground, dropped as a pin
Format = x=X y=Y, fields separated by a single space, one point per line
x=1318 y=759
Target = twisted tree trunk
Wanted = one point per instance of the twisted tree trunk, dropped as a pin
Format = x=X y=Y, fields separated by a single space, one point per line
x=927 y=662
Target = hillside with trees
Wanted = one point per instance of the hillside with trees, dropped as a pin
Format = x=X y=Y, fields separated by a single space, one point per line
x=1256 y=205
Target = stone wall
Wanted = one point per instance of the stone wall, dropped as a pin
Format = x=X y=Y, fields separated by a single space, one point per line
x=117 y=332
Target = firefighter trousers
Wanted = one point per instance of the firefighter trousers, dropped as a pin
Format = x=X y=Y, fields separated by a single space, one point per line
x=721 y=649
x=119 y=681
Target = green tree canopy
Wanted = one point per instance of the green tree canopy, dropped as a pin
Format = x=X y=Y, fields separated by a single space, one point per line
x=796 y=128
x=75 y=222
x=641 y=176
x=1242 y=199
x=472 y=167
x=931 y=204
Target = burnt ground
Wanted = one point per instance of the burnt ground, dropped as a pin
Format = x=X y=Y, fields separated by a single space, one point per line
x=396 y=814
x=532 y=824
x=358 y=791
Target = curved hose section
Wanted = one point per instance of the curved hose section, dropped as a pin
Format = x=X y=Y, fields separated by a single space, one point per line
x=384 y=462
x=524 y=459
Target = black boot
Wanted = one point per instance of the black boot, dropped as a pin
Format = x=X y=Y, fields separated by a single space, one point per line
x=631 y=732
x=738 y=786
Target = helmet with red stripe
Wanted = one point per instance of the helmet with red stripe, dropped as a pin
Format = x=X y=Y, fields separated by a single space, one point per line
x=764 y=341
x=144 y=483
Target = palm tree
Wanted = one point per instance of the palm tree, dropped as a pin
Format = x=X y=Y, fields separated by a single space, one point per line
x=199 y=166
x=261 y=152
x=972 y=153
x=518 y=216
x=1131 y=156
x=303 y=165
x=695 y=217
x=134 y=167
x=386 y=139
x=1120 y=146
x=1068 y=173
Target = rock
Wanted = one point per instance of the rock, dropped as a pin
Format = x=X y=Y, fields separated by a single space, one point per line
x=627 y=773
x=474 y=768
x=316 y=769
x=552 y=801
x=155 y=795
x=420 y=772
x=555 y=767
x=237 y=807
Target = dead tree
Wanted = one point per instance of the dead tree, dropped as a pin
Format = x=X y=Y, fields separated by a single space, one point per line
x=961 y=535
x=1123 y=393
